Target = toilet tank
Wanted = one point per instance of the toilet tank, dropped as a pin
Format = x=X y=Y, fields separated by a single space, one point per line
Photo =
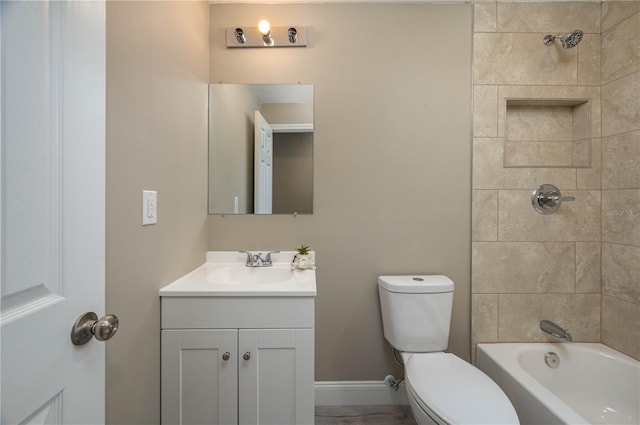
x=416 y=311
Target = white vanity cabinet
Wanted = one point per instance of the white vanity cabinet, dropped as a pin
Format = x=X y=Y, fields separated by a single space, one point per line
x=237 y=360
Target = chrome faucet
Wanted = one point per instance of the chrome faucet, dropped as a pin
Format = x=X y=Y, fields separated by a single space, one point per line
x=555 y=330
x=256 y=260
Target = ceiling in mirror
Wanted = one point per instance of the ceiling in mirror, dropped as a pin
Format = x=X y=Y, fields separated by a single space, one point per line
x=261 y=149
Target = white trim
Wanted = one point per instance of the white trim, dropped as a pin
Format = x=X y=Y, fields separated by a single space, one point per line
x=292 y=128
x=358 y=393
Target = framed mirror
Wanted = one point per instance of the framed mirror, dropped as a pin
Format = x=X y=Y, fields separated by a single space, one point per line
x=260 y=149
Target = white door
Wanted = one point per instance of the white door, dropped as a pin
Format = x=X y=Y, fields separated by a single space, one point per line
x=52 y=59
x=263 y=166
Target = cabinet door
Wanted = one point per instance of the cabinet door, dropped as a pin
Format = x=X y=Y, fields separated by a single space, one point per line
x=198 y=385
x=275 y=383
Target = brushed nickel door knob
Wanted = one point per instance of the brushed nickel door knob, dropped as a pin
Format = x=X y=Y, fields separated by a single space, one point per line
x=87 y=326
x=246 y=355
x=226 y=356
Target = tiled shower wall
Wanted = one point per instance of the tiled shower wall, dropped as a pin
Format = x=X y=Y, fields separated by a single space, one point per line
x=527 y=266
x=621 y=176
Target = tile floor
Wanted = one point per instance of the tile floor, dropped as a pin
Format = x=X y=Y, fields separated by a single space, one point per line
x=364 y=415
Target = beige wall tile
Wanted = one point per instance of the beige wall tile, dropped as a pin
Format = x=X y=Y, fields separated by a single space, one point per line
x=621 y=161
x=523 y=267
x=621 y=326
x=621 y=216
x=550 y=92
x=484 y=17
x=588 y=275
x=574 y=221
x=484 y=318
x=590 y=177
x=581 y=153
x=580 y=115
x=511 y=58
x=484 y=216
x=621 y=105
x=489 y=173
x=614 y=12
x=621 y=272
x=589 y=60
x=539 y=154
x=519 y=316
x=621 y=49
x=552 y=17
x=545 y=123
x=485 y=111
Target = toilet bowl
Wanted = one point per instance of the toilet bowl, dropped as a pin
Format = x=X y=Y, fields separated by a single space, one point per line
x=442 y=388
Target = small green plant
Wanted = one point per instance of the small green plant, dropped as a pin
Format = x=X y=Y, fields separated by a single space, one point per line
x=303 y=250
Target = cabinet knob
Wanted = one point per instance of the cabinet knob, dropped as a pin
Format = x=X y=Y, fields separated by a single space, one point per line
x=226 y=356
x=246 y=355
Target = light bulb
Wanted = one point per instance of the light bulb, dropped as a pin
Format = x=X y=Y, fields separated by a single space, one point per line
x=264 y=27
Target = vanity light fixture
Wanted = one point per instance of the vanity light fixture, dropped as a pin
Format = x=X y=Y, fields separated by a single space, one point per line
x=264 y=35
x=238 y=33
x=265 y=29
x=292 y=33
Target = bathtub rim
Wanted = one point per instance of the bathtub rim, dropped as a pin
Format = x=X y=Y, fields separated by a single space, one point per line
x=504 y=357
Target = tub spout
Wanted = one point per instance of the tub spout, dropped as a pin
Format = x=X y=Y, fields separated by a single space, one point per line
x=555 y=330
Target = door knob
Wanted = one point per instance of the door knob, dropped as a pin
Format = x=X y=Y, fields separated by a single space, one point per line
x=246 y=355
x=226 y=356
x=88 y=326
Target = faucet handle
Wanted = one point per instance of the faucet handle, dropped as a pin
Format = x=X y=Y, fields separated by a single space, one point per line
x=267 y=259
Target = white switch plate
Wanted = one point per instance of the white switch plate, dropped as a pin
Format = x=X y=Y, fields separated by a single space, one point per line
x=149 y=207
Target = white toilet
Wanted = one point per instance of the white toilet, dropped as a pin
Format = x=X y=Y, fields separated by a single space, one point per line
x=442 y=388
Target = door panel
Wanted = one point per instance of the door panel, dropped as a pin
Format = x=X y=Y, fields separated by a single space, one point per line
x=52 y=56
x=263 y=163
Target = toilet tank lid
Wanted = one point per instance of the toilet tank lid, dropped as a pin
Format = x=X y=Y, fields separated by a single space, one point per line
x=416 y=284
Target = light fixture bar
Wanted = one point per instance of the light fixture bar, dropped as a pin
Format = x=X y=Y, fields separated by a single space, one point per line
x=290 y=36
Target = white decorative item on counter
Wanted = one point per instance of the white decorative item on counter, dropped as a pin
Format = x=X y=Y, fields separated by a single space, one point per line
x=303 y=259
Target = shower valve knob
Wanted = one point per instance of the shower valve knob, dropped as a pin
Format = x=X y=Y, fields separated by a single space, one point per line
x=546 y=199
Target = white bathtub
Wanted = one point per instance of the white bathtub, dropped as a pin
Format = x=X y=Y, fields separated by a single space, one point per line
x=593 y=383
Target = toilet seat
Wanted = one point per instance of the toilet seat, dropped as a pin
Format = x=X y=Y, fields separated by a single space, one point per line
x=452 y=391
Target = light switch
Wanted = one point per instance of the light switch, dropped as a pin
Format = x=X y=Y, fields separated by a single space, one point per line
x=149 y=207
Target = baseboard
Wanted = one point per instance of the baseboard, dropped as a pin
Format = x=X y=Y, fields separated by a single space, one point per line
x=358 y=393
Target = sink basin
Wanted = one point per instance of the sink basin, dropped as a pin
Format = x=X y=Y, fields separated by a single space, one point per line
x=241 y=275
x=224 y=274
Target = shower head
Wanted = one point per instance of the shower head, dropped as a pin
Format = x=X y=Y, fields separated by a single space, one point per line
x=567 y=40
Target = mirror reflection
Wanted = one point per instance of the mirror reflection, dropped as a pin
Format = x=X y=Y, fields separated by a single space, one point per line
x=260 y=149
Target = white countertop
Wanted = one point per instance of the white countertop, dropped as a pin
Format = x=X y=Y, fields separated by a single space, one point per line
x=197 y=282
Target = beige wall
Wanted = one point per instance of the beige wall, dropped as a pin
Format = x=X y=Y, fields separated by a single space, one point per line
x=621 y=176
x=293 y=173
x=157 y=74
x=565 y=267
x=392 y=157
x=231 y=129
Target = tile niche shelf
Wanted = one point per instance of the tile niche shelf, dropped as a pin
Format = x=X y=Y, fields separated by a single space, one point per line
x=547 y=133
